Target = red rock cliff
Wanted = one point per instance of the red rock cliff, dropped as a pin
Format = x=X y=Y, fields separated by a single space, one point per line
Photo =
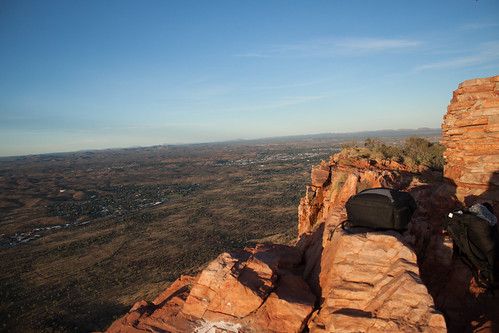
x=471 y=131
x=335 y=281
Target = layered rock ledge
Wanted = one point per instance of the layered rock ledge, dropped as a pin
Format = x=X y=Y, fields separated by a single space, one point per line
x=251 y=290
x=471 y=139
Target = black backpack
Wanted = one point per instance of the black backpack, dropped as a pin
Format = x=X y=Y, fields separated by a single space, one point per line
x=380 y=208
x=477 y=242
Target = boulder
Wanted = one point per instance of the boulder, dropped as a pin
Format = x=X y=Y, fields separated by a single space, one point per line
x=320 y=174
x=372 y=281
x=250 y=289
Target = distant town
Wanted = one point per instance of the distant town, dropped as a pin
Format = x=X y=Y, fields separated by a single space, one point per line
x=116 y=201
x=281 y=157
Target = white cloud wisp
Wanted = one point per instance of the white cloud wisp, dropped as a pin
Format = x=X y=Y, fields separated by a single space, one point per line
x=334 y=47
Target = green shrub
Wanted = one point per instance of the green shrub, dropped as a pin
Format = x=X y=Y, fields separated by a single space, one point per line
x=349 y=145
x=415 y=151
x=424 y=152
x=379 y=150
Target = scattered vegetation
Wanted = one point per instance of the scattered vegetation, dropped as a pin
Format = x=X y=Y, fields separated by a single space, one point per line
x=146 y=217
x=414 y=152
x=423 y=152
x=339 y=181
x=153 y=214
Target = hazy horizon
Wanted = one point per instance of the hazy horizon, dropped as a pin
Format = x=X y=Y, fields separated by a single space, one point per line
x=372 y=134
x=95 y=75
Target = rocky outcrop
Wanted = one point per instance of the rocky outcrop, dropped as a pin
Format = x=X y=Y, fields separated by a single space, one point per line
x=250 y=290
x=471 y=173
x=163 y=314
x=370 y=282
x=346 y=177
x=471 y=139
x=465 y=306
x=365 y=278
x=334 y=280
x=331 y=280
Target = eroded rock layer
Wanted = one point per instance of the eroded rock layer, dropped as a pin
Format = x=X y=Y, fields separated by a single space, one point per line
x=250 y=290
x=370 y=283
x=471 y=139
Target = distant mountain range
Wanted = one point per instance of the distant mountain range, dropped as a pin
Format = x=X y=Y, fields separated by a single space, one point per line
x=350 y=136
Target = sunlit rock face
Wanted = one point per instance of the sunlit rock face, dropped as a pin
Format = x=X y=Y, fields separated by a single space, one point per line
x=369 y=281
x=251 y=290
x=346 y=177
x=471 y=139
x=335 y=280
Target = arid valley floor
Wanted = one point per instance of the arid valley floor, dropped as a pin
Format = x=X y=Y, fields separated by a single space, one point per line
x=85 y=235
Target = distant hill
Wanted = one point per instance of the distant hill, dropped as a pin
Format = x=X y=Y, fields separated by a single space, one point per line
x=361 y=135
x=350 y=136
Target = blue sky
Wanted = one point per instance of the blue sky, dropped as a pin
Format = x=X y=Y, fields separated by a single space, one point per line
x=105 y=74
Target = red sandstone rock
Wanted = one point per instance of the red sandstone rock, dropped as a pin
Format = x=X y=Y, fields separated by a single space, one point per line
x=346 y=180
x=475 y=88
x=464 y=105
x=374 y=283
x=490 y=103
x=250 y=289
x=367 y=281
x=471 y=122
x=178 y=287
x=473 y=114
x=288 y=307
x=320 y=174
x=479 y=82
x=161 y=315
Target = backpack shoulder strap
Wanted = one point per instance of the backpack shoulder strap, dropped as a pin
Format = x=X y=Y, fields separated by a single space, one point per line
x=331 y=232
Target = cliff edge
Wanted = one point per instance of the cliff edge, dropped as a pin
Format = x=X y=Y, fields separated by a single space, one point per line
x=338 y=281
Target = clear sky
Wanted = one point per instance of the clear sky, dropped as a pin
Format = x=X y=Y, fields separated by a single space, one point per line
x=105 y=74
